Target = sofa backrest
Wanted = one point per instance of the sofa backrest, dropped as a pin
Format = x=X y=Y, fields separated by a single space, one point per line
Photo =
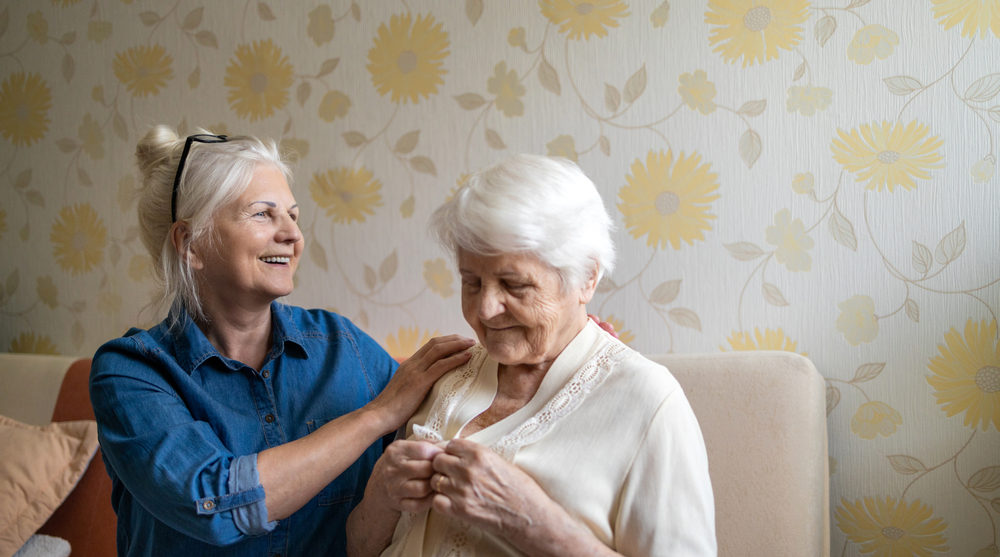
x=763 y=416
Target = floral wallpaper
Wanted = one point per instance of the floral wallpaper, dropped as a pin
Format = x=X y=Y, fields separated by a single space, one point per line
x=817 y=176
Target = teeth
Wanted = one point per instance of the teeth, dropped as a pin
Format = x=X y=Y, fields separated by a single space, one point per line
x=275 y=259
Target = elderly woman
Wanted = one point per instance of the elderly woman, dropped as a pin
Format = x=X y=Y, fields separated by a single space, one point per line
x=554 y=438
x=239 y=421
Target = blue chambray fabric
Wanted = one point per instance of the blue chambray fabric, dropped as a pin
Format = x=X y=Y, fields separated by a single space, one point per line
x=180 y=427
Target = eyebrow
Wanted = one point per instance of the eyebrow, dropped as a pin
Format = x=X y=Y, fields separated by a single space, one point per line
x=271 y=204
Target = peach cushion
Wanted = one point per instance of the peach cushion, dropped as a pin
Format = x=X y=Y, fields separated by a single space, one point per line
x=39 y=467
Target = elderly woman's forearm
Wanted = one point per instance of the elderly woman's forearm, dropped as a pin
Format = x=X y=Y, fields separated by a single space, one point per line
x=369 y=530
x=554 y=533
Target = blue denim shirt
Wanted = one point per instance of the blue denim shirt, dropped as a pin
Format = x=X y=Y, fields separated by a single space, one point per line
x=180 y=427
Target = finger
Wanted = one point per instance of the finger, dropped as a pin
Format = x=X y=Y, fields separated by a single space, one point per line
x=416 y=505
x=438 y=483
x=415 y=489
x=463 y=448
x=406 y=449
x=437 y=347
x=442 y=504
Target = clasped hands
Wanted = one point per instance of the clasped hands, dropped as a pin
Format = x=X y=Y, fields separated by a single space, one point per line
x=461 y=479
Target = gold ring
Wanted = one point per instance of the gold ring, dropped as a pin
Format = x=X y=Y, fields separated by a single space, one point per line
x=440 y=479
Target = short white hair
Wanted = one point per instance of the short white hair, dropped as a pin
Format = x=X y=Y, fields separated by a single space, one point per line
x=533 y=204
x=215 y=174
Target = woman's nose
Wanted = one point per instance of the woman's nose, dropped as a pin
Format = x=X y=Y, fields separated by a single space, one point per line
x=490 y=304
x=289 y=231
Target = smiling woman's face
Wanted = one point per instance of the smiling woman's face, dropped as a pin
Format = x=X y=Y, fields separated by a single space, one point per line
x=518 y=308
x=257 y=243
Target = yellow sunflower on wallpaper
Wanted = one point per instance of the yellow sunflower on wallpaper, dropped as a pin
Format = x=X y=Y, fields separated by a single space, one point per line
x=407 y=341
x=755 y=30
x=889 y=154
x=144 y=70
x=668 y=200
x=583 y=19
x=770 y=339
x=508 y=90
x=78 y=238
x=347 y=195
x=258 y=78
x=438 y=276
x=30 y=343
x=25 y=101
x=891 y=528
x=967 y=374
x=791 y=242
x=407 y=59
x=976 y=16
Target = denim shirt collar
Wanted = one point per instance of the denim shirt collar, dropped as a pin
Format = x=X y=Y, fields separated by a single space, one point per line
x=193 y=348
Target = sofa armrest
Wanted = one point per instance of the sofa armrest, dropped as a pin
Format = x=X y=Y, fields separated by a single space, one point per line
x=86 y=518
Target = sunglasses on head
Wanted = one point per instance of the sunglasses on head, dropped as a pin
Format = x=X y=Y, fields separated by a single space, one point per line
x=199 y=138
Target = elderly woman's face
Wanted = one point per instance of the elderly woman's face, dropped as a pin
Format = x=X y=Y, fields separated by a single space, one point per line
x=259 y=242
x=518 y=308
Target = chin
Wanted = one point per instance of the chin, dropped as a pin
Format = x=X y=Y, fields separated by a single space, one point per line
x=505 y=355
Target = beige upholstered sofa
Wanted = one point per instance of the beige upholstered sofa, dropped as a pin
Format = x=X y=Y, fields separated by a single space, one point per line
x=762 y=414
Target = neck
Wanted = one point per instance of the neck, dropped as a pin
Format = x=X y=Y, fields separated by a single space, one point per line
x=238 y=333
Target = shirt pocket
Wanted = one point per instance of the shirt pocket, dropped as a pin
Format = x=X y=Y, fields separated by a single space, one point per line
x=343 y=489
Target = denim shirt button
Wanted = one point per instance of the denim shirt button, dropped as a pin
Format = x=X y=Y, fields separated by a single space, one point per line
x=208 y=505
x=265 y=374
x=269 y=418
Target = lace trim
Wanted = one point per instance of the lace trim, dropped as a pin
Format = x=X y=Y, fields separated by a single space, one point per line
x=453 y=389
x=460 y=538
x=568 y=399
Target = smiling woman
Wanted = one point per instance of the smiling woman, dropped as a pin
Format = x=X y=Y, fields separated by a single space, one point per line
x=238 y=416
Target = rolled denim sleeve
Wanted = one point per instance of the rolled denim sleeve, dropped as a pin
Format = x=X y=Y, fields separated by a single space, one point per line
x=176 y=466
x=251 y=517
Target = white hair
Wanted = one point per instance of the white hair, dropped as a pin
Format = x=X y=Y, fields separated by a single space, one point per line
x=215 y=174
x=533 y=204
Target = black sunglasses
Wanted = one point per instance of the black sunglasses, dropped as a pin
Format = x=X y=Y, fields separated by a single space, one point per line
x=200 y=138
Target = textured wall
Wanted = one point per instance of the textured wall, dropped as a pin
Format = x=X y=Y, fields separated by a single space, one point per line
x=817 y=177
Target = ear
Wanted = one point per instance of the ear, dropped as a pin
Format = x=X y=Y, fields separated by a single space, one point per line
x=590 y=285
x=180 y=238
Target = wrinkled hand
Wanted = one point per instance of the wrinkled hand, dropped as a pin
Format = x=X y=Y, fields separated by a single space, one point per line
x=415 y=377
x=401 y=477
x=476 y=485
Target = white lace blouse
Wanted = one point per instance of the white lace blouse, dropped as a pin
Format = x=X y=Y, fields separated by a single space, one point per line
x=609 y=435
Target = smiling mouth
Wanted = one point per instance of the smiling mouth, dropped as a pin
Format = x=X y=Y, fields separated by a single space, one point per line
x=280 y=260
